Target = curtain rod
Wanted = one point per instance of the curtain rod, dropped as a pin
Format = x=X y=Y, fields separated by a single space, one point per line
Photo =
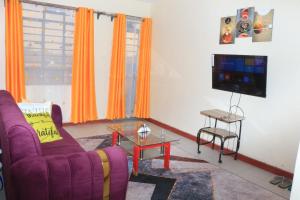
x=112 y=15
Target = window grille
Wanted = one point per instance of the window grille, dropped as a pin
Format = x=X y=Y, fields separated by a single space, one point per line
x=48 y=45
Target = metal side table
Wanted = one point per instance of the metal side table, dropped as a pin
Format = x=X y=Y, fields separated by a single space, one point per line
x=222 y=134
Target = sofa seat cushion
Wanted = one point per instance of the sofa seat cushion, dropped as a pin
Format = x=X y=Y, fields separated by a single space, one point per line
x=64 y=146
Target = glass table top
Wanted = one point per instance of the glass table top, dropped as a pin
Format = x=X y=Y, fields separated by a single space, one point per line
x=129 y=130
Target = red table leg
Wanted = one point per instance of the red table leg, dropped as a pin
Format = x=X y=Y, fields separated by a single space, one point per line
x=114 y=137
x=167 y=155
x=136 y=155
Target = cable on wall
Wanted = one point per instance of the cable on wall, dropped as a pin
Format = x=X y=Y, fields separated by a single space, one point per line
x=237 y=108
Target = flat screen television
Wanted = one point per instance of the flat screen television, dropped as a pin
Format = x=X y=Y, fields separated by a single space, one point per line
x=245 y=74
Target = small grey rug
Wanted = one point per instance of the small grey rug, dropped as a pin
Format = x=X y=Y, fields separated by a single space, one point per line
x=195 y=179
x=138 y=191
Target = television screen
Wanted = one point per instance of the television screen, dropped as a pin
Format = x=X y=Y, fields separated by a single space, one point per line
x=243 y=74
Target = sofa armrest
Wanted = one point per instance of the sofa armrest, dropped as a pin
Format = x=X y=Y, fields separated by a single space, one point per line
x=76 y=176
x=56 y=115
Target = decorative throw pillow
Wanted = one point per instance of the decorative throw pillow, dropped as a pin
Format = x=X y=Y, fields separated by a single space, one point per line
x=27 y=107
x=44 y=127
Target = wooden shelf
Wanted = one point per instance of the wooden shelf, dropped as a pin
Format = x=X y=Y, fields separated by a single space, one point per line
x=222 y=115
x=219 y=132
x=222 y=134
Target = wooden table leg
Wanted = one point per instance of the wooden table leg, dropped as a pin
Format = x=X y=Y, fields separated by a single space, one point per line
x=115 y=136
x=167 y=155
x=136 y=154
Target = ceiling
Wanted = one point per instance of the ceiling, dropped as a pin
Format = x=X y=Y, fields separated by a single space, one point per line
x=148 y=1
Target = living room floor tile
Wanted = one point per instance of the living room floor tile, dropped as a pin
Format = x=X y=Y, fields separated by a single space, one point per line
x=188 y=148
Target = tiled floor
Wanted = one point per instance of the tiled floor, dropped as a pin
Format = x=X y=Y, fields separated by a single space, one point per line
x=187 y=148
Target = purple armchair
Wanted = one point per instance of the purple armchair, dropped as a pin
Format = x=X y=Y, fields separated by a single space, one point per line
x=59 y=170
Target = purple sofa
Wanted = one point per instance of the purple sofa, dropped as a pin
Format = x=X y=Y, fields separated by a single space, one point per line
x=59 y=170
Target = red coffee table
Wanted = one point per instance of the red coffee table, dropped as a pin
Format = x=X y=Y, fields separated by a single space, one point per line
x=156 y=144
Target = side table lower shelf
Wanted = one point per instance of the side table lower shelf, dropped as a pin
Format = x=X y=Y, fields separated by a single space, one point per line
x=223 y=135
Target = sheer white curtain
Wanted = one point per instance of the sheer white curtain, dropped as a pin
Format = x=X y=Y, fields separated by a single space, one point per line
x=48 y=43
x=132 y=51
x=48 y=50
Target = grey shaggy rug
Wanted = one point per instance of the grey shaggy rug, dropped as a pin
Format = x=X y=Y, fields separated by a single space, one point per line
x=194 y=179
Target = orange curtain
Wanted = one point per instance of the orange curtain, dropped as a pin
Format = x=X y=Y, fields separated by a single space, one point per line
x=83 y=77
x=142 y=99
x=116 y=96
x=14 y=46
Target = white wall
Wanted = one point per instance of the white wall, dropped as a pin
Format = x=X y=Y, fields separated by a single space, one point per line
x=295 y=195
x=2 y=45
x=186 y=33
x=103 y=44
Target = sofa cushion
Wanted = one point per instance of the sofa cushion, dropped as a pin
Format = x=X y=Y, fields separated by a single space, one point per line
x=30 y=107
x=44 y=127
x=56 y=115
x=64 y=146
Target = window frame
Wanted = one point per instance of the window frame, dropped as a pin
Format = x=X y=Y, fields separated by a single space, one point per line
x=41 y=72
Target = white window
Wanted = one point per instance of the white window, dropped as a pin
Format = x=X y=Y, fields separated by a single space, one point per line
x=48 y=45
x=132 y=52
